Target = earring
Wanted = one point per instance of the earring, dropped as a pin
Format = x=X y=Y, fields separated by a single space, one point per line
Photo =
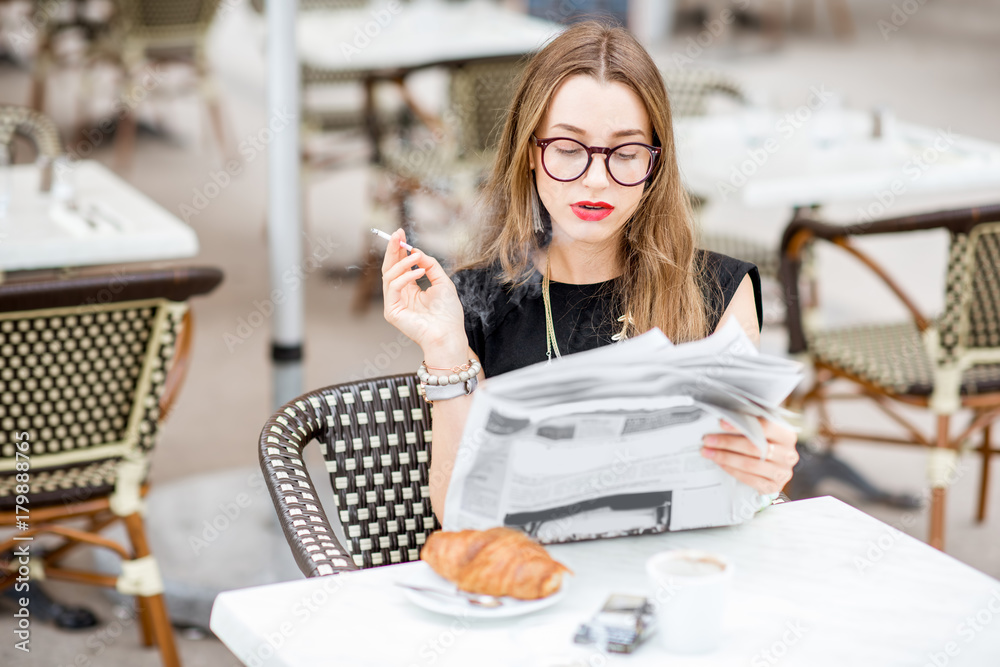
x=536 y=213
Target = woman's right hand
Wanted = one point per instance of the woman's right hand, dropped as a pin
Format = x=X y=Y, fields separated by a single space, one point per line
x=432 y=318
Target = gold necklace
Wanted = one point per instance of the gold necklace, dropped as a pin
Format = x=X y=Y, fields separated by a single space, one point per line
x=550 y=330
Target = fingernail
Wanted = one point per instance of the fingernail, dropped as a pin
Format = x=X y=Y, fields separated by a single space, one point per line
x=707 y=453
x=726 y=425
x=711 y=439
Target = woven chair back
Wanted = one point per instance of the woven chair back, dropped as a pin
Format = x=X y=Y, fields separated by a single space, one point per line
x=311 y=5
x=32 y=125
x=167 y=21
x=689 y=90
x=480 y=93
x=375 y=437
x=376 y=444
x=971 y=318
x=84 y=362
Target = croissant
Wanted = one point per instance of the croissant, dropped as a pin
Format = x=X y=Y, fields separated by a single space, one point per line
x=498 y=561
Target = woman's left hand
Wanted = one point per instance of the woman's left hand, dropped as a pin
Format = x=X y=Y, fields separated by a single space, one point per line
x=740 y=458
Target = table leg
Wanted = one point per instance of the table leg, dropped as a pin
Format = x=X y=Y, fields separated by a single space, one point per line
x=813 y=467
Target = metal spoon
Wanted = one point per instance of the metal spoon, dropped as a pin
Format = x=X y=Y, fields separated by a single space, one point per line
x=486 y=601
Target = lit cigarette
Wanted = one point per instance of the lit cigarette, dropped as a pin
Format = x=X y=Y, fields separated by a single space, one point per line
x=379 y=233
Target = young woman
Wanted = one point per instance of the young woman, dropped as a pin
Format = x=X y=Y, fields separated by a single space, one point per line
x=587 y=238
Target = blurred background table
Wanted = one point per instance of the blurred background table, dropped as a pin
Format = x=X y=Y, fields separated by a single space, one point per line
x=816 y=582
x=421 y=34
x=805 y=157
x=113 y=223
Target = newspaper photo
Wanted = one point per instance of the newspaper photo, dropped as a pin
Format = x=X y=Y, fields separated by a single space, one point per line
x=607 y=442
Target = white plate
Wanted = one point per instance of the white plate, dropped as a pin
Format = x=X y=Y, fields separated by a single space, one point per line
x=422 y=575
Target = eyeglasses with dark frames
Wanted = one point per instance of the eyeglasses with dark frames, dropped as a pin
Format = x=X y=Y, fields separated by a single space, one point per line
x=565 y=159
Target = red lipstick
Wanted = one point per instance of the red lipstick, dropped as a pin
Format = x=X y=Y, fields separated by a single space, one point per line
x=592 y=211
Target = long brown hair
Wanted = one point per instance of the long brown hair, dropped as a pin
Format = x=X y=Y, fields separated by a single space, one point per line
x=659 y=285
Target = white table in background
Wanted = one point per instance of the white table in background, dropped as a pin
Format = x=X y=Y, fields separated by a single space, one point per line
x=420 y=34
x=114 y=223
x=828 y=156
x=817 y=583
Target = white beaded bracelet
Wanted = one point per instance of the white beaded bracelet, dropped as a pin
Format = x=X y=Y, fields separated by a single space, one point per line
x=470 y=370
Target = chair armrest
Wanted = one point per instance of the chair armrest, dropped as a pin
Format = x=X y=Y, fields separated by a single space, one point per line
x=303 y=520
x=804 y=229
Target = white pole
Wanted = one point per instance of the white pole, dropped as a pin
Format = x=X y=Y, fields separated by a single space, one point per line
x=284 y=219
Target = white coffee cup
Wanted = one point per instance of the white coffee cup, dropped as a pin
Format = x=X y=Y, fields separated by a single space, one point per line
x=690 y=596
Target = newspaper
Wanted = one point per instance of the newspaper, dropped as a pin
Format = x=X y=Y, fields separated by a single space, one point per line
x=607 y=442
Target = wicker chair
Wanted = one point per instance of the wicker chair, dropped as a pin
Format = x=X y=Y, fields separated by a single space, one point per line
x=375 y=437
x=91 y=367
x=16 y=121
x=142 y=34
x=450 y=164
x=154 y=32
x=945 y=365
x=690 y=91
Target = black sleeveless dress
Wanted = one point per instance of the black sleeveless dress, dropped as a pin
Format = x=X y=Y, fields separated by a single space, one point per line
x=506 y=326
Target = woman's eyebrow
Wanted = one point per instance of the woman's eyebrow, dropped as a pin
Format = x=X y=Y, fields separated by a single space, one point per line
x=576 y=130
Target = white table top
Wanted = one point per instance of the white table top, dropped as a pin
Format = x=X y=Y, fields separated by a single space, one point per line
x=125 y=225
x=825 y=156
x=802 y=595
x=421 y=34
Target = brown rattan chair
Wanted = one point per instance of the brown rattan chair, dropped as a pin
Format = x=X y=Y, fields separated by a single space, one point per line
x=91 y=367
x=949 y=365
x=157 y=32
x=141 y=36
x=375 y=436
x=37 y=128
x=448 y=162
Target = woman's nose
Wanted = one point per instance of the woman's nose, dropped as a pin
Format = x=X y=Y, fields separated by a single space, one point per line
x=596 y=175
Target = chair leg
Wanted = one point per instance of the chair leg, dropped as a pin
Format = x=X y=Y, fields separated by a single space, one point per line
x=367 y=283
x=840 y=17
x=939 y=488
x=125 y=140
x=155 y=606
x=40 y=75
x=145 y=621
x=804 y=15
x=210 y=95
x=984 y=480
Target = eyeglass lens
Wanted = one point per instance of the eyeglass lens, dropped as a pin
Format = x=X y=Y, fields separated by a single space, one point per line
x=566 y=159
